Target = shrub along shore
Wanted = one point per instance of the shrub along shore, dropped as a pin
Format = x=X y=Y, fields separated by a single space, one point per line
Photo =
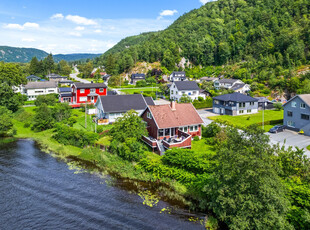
x=245 y=182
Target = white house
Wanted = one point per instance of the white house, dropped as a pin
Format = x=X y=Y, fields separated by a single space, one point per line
x=177 y=76
x=188 y=88
x=234 y=84
x=109 y=108
x=35 y=89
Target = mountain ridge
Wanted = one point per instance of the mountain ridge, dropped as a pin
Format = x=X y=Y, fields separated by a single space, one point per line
x=24 y=55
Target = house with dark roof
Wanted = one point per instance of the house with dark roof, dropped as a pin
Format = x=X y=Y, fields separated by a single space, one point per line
x=297 y=113
x=34 y=89
x=235 y=104
x=187 y=88
x=208 y=79
x=177 y=76
x=109 y=108
x=87 y=92
x=137 y=77
x=65 y=94
x=56 y=77
x=264 y=103
x=171 y=125
x=33 y=78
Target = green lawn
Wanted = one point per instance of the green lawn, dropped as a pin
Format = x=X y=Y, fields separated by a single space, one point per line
x=139 y=90
x=94 y=80
x=271 y=118
x=201 y=146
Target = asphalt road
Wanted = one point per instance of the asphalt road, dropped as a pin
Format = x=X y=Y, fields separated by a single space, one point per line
x=287 y=138
x=75 y=77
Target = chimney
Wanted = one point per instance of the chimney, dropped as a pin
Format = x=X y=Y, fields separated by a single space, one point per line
x=172 y=105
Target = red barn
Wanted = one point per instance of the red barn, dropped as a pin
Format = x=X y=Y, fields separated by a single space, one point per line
x=82 y=93
x=171 y=125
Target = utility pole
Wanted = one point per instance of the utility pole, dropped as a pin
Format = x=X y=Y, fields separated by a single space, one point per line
x=86 y=115
x=263 y=115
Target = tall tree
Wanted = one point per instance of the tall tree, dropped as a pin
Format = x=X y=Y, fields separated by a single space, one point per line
x=49 y=64
x=5 y=121
x=34 y=67
x=10 y=74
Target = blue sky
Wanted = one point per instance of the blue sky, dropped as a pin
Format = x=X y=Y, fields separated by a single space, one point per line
x=84 y=26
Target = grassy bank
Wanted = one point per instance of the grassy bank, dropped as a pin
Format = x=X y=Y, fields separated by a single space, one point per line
x=140 y=90
x=271 y=118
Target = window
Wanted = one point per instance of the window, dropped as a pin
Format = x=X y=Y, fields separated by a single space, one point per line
x=167 y=132
x=302 y=105
x=241 y=111
x=290 y=123
x=216 y=102
x=249 y=111
x=294 y=104
x=83 y=98
x=39 y=91
x=161 y=133
x=181 y=129
x=242 y=105
x=171 y=91
x=191 y=128
x=92 y=90
x=196 y=127
x=289 y=113
x=51 y=91
x=185 y=129
x=305 y=116
x=82 y=90
x=149 y=115
x=101 y=90
x=251 y=103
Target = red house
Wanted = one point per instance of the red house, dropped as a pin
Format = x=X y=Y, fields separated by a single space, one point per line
x=82 y=92
x=171 y=125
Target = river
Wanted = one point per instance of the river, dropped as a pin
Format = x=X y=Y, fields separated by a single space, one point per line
x=38 y=191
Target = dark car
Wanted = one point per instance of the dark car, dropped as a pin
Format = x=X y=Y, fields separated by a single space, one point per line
x=277 y=128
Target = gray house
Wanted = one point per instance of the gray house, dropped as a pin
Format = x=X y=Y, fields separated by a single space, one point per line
x=235 y=104
x=137 y=77
x=177 y=76
x=297 y=113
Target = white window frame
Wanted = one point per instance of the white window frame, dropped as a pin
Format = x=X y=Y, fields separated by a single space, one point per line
x=82 y=90
x=241 y=111
x=101 y=90
x=302 y=105
x=294 y=104
x=83 y=99
x=149 y=115
x=93 y=90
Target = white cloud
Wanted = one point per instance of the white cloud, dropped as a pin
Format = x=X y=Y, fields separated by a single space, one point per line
x=206 y=1
x=79 y=28
x=76 y=34
x=27 y=25
x=57 y=16
x=167 y=13
x=98 y=31
x=80 y=20
x=28 y=40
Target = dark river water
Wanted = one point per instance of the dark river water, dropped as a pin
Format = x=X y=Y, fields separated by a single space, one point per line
x=38 y=191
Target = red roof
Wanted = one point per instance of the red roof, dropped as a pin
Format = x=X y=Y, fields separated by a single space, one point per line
x=183 y=115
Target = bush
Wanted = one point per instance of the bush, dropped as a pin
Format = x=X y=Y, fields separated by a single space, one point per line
x=196 y=138
x=49 y=99
x=201 y=104
x=99 y=129
x=131 y=149
x=70 y=136
x=211 y=130
x=278 y=106
x=141 y=83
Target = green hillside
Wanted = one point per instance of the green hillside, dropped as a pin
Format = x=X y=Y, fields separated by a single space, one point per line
x=276 y=32
x=24 y=55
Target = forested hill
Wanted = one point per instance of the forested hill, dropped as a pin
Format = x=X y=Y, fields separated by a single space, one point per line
x=24 y=55
x=225 y=31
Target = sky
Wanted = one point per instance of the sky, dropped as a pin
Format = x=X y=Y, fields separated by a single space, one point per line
x=84 y=26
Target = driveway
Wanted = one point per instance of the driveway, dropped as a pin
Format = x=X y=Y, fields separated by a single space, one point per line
x=290 y=138
x=75 y=77
x=205 y=113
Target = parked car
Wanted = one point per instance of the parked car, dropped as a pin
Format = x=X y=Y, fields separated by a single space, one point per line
x=277 y=128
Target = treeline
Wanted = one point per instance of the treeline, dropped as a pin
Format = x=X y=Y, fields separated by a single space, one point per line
x=47 y=66
x=258 y=41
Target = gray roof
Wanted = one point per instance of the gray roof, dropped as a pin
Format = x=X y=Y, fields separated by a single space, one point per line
x=66 y=95
x=238 y=86
x=122 y=103
x=138 y=76
x=64 y=89
x=149 y=101
x=186 y=85
x=111 y=93
x=228 y=81
x=80 y=85
x=33 y=76
x=41 y=85
x=54 y=75
x=262 y=99
x=235 y=97
x=304 y=97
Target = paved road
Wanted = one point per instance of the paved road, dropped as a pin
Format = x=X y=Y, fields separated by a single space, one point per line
x=287 y=138
x=75 y=77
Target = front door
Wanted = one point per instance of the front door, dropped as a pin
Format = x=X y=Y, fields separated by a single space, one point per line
x=92 y=99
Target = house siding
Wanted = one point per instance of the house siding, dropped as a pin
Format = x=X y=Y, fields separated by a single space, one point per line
x=234 y=109
x=77 y=95
x=296 y=116
x=151 y=125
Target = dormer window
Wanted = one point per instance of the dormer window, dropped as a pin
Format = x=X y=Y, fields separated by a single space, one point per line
x=82 y=90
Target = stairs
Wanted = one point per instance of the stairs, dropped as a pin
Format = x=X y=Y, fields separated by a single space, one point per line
x=161 y=148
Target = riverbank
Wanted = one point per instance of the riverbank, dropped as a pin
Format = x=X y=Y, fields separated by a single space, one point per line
x=166 y=189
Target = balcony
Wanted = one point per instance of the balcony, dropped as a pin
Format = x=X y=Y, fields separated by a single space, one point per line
x=183 y=140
